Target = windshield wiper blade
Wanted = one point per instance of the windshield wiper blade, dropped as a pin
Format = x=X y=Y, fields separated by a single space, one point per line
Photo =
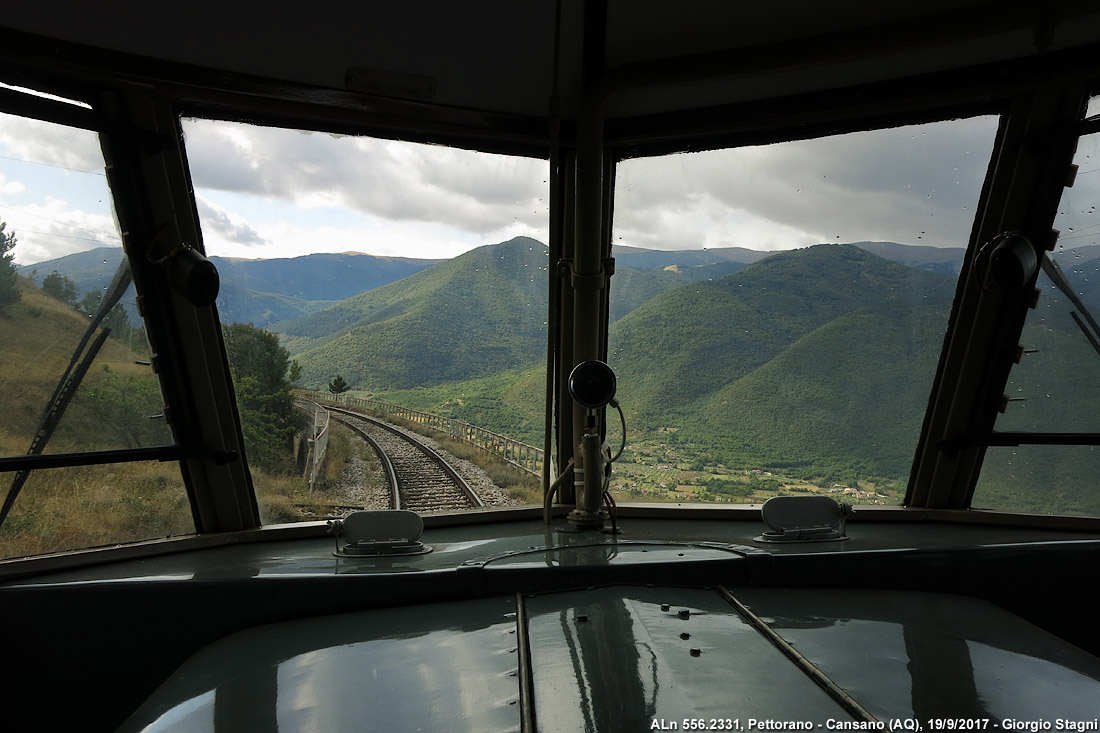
x=1089 y=327
x=70 y=380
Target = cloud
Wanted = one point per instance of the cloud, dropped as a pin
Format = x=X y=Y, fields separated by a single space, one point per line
x=54 y=193
x=10 y=188
x=395 y=181
x=915 y=185
x=219 y=225
x=265 y=192
x=51 y=144
x=54 y=229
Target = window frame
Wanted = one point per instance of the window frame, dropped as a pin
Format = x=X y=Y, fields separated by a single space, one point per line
x=30 y=106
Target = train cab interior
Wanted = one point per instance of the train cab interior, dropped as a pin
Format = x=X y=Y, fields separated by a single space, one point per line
x=834 y=258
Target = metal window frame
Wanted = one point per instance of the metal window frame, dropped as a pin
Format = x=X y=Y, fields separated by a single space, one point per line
x=31 y=106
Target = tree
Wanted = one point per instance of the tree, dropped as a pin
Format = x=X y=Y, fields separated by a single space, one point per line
x=58 y=286
x=258 y=363
x=9 y=288
x=125 y=405
x=294 y=373
x=116 y=319
x=338 y=385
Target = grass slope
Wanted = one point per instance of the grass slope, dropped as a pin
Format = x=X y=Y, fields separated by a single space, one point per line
x=479 y=314
x=510 y=402
x=71 y=508
x=690 y=341
x=790 y=360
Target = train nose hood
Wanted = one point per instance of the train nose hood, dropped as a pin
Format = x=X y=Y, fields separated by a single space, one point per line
x=626 y=658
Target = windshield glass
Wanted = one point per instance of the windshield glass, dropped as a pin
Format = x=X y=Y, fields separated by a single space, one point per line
x=406 y=281
x=61 y=260
x=1052 y=388
x=778 y=311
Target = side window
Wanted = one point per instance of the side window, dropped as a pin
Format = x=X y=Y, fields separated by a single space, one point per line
x=778 y=311
x=404 y=280
x=75 y=364
x=1052 y=389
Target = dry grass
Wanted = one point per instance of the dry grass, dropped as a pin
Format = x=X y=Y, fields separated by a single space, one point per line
x=92 y=506
x=342 y=444
x=277 y=496
x=39 y=335
x=73 y=508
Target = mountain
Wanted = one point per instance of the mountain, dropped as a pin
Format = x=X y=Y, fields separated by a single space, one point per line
x=262 y=292
x=478 y=314
x=789 y=360
x=655 y=259
x=89 y=270
x=267 y=292
x=944 y=260
x=319 y=277
x=630 y=286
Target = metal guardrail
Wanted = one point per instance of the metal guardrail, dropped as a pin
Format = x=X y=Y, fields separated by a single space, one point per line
x=523 y=456
x=319 y=443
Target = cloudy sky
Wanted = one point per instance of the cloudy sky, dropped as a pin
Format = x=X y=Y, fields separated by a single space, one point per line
x=265 y=192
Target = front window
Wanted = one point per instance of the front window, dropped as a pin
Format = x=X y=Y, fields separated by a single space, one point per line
x=405 y=280
x=1051 y=389
x=778 y=311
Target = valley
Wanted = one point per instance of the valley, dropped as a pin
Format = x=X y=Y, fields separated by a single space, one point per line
x=743 y=374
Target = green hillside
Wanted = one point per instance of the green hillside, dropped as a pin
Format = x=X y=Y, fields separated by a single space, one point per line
x=479 y=314
x=237 y=304
x=845 y=401
x=474 y=316
x=788 y=361
x=815 y=364
x=69 y=508
x=111 y=408
x=510 y=402
x=695 y=339
x=819 y=358
x=630 y=286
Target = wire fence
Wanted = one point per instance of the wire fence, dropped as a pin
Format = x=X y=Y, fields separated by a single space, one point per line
x=523 y=456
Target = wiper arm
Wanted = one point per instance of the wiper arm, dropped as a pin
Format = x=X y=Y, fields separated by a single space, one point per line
x=1088 y=326
x=70 y=380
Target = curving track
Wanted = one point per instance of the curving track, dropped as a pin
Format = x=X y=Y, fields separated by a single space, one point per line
x=424 y=481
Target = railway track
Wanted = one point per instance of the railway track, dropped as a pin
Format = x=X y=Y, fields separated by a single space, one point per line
x=419 y=478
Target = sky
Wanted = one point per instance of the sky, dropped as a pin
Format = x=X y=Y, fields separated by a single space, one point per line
x=266 y=192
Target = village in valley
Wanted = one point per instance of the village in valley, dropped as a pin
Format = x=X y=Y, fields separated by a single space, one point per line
x=651 y=471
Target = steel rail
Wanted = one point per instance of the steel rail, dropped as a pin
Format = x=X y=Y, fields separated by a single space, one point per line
x=459 y=429
x=387 y=463
x=464 y=488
